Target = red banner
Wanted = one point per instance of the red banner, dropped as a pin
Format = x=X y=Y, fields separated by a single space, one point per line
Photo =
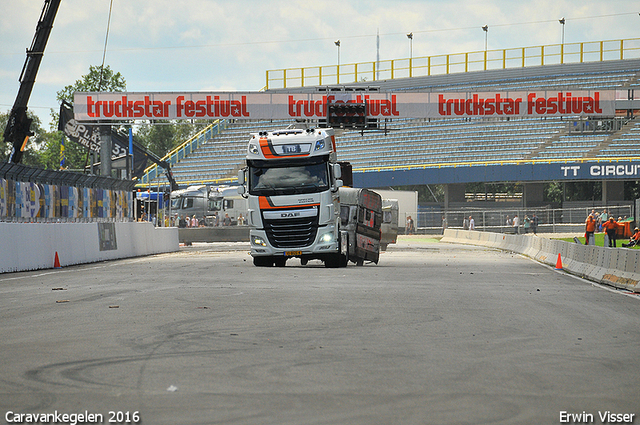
x=262 y=105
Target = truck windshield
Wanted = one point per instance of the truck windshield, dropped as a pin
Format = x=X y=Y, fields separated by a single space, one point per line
x=175 y=203
x=288 y=180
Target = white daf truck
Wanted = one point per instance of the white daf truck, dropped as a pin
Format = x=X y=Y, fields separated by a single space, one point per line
x=292 y=182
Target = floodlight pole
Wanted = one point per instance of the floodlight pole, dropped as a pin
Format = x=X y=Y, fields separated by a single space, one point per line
x=410 y=37
x=486 y=34
x=337 y=43
x=562 y=22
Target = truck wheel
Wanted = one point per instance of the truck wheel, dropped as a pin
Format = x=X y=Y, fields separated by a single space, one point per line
x=332 y=261
x=343 y=260
x=335 y=261
x=280 y=262
x=262 y=261
x=304 y=261
x=359 y=262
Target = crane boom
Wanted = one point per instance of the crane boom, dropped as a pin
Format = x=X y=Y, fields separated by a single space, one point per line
x=18 y=129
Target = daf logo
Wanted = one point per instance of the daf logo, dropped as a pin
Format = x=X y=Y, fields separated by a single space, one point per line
x=290 y=214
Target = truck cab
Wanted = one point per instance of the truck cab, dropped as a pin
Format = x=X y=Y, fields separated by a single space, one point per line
x=291 y=182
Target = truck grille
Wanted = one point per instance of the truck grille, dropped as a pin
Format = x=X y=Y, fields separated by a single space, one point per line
x=292 y=233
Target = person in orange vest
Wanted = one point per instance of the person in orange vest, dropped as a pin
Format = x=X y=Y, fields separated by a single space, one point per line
x=634 y=239
x=611 y=227
x=590 y=229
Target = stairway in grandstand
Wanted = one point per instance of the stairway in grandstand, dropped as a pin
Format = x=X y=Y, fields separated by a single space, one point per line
x=453 y=141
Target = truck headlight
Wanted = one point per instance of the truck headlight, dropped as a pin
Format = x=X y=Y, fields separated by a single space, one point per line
x=257 y=240
x=253 y=149
x=327 y=237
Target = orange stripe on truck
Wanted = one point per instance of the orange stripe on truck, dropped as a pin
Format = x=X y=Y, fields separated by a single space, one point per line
x=265 y=204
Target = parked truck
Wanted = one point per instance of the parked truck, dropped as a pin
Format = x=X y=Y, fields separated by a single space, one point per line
x=210 y=204
x=389 y=222
x=297 y=207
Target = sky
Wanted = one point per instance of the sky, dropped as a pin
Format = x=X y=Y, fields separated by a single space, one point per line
x=228 y=45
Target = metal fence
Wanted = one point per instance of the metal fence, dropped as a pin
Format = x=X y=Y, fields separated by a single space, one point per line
x=430 y=220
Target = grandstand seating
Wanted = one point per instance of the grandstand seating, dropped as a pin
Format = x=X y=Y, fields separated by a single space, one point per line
x=626 y=143
x=411 y=142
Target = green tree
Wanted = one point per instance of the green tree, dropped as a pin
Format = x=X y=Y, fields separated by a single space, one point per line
x=98 y=79
x=632 y=191
x=553 y=193
x=43 y=148
x=159 y=137
x=31 y=154
x=75 y=154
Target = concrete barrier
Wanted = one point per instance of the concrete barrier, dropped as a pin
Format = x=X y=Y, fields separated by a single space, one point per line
x=214 y=234
x=618 y=267
x=32 y=246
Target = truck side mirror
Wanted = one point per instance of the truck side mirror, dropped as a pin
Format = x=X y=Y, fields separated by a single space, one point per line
x=337 y=184
x=241 y=177
x=337 y=171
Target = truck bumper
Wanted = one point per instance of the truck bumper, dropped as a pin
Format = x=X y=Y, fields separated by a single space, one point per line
x=326 y=242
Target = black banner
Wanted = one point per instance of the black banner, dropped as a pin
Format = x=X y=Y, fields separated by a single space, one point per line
x=89 y=137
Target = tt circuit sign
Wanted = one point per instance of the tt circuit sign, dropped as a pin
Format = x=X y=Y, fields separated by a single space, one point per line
x=493 y=173
x=628 y=170
x=313 y=106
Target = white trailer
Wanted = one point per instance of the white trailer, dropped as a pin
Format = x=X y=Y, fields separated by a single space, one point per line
x=407 y=203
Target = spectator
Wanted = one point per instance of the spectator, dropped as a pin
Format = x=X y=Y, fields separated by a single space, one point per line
x=194 y=221
x=240 y=220
x=516 y=224
x=611 y=227
x=472 y=223
x=410 y=228
x=634 y=239
x=534 y=224
x=604 y=217
x=527 y=224
x=465 y=223
x=590 y=228
x=227 y=220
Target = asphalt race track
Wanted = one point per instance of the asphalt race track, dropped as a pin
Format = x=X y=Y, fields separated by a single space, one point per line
x=434 y=334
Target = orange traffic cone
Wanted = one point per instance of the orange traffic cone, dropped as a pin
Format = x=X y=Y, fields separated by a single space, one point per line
x=56 y=262
x=559 y=263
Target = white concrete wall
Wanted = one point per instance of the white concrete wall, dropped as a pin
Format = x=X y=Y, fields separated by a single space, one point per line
x=619 y=267
x=31 y=246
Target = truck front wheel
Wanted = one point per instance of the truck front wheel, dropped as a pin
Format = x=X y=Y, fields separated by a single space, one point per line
x=336 y=260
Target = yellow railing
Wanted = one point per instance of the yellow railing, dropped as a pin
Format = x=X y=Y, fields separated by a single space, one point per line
x=591 y=51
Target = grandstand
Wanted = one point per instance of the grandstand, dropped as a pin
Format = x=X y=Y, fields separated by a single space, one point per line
x=453 y=142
